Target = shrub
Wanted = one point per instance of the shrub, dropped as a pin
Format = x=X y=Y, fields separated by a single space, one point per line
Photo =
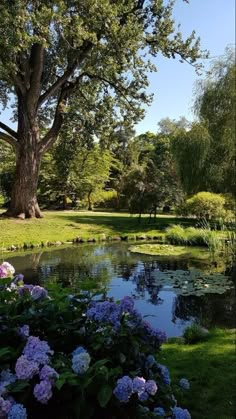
x=78 y=356
x=206 y=205
x=195 y=333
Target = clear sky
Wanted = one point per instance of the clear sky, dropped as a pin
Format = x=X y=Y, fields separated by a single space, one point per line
x=173 y=84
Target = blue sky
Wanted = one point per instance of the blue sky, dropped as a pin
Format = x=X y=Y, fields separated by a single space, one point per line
x=173 y=84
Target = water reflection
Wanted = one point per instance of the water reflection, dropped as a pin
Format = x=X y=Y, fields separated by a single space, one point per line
x=125 y=273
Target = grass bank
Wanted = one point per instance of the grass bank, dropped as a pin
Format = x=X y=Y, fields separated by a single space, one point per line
x=67 y=225
x=210 y=368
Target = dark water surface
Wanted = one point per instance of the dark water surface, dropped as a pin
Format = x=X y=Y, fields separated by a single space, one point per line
x=124 y=273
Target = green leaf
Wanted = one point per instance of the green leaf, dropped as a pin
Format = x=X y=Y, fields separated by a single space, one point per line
x=104 y=395
x=18 y=386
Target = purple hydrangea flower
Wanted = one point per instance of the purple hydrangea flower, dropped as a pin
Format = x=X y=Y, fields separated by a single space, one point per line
x=184 y=384
x=151 y=387
x=104 y=312
x=126 y=305
x=123 y=389
x=5 y=406
x=43 y=391
x=9 y=269
x=3 y=272
x=139 y=384
x=180 y=413
x=80 y=362
x=25 y=368
x=143 y=396
x=156 y=334
x=25 y=289
x=38 y=293
x=48 y=373
x=158 y=411
x=17 y=411
x=37 y=350
x=164 y=374
x=24 y=331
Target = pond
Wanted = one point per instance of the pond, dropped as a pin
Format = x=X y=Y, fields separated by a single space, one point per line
x=171 y=291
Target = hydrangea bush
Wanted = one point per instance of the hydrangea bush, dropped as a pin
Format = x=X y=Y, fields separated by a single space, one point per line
x=78 y=356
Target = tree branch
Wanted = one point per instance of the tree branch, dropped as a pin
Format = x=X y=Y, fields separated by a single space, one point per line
x=53 y=132
x=82 y=53
x=9 y=130
x=8 y=139
x=36 y=66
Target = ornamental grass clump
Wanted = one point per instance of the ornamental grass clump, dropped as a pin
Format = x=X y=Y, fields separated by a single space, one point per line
x=81 y=357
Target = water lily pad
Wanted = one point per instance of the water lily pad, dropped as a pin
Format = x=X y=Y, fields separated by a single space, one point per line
x=192 y=282
x=169 y=250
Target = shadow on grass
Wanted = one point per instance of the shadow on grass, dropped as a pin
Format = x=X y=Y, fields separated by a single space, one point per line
x=125 y=224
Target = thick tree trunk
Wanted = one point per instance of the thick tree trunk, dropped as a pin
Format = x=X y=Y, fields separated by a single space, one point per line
x=24 y=192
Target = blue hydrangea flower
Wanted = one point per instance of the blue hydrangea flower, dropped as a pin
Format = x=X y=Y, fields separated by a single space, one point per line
x=164 y=374
x=25 y=369
x=5 y=407
x=143 y=396
x=37 y=350
x=43 y=391
x=180 y=413
x=24 y=331
x=48 y=373
x=150 y=361
x=139 y=384
x=158 y=411
x=78 y=350
x=17 y=411
x=25 y=289
x=38 y=293
x=184 y=384
x=158 y=335
x=104 y=312
x=151 y=387
x=80 y=362
x=126 y=305
x=123 y=389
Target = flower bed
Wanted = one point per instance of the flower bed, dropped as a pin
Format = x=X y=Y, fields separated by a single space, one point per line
x=78 y=356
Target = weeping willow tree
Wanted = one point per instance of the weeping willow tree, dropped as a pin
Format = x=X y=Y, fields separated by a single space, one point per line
x=58 y=55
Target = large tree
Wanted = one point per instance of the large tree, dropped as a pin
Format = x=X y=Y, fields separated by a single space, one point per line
x=61 y=54
x=216 y=106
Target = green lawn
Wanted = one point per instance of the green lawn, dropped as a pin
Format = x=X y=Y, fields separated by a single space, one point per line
x=66 y=225
x=211 y=369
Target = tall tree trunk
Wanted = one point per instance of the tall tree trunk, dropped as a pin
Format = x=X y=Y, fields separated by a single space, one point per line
x=24 y=192
x=90 y=207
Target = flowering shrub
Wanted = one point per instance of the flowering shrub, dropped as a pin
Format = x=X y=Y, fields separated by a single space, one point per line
x=75 y=356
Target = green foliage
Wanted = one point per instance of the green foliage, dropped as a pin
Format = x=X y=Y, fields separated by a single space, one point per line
x=195 y=333
x=190 y=149
x=215 y=106
x=192 y=236
x=206 y=205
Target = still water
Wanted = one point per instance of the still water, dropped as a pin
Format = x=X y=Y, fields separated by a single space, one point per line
x=114 y=267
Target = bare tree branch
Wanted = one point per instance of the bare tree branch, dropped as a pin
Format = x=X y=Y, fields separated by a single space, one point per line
x=9 y=130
